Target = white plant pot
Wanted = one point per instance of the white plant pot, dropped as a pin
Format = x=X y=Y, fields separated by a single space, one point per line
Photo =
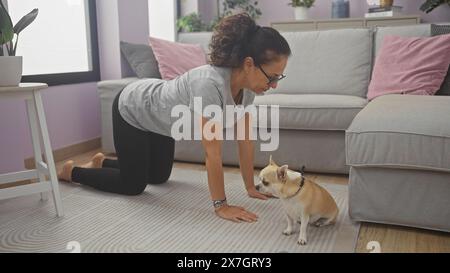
x=10 y=70
x=301 y=13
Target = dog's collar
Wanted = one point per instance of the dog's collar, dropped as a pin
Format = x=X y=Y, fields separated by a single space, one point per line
x=302 y=183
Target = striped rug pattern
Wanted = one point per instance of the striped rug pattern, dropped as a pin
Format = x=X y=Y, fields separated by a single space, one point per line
x=172 y=217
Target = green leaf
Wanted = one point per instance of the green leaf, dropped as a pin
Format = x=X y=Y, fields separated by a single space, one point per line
x=430 y=5
x=25 y=21
x=191 y=23
x=302 y=3
x=6 y=27
x=1 y=5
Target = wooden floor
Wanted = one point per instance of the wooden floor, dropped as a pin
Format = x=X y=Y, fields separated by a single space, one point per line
x=391 y=238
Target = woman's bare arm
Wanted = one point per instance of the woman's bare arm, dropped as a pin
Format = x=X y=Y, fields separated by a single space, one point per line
x=213 y=159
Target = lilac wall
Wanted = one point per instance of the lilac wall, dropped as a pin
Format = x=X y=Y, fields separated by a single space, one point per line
x=278 y=10
x=207 y=9
x=108 y=37
x=73 y=116
x=133 y=26
x=12 y=125
x=72 y=111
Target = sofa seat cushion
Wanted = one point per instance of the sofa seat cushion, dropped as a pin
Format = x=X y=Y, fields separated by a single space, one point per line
x=401 y=131
x=314 y=112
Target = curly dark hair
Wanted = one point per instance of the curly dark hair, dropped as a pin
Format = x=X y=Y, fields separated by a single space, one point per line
x=238 y=36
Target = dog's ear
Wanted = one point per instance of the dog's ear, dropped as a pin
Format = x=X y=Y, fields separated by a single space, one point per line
x=282 y=173
x=271 y=162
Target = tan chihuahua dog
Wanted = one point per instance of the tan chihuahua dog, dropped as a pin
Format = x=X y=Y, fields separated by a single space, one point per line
x=303 y=200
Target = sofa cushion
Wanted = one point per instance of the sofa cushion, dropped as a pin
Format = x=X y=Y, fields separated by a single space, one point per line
x=402 y=132
x=410 y=65
x=174 y=58
x=328 y=62
x=141 y=59
x=422 y=30
x=313 y=112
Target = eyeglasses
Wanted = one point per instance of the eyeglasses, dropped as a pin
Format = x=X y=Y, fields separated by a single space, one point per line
x=273 y=79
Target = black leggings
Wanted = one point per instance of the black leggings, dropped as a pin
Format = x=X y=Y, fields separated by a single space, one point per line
x=142 y=158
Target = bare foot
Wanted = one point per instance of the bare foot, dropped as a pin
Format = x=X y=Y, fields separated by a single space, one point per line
x=96 y=161
x=66 y=172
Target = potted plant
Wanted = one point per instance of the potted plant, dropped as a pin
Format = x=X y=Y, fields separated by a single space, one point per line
x=11 y=65
x=301 y=8
x=386 y=3
x=235 y=6
x=230 y=7
x=192 y=23
x=430 y=5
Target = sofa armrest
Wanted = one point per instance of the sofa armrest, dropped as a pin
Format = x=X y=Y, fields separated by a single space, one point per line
x=111 y=85
x=107 y=91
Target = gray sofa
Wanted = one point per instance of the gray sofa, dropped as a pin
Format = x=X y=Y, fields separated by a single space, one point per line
x=314 y=112
x=400 y=162
x=327 y=124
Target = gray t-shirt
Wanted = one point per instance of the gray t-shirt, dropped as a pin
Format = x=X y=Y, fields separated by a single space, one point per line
x=147 y=104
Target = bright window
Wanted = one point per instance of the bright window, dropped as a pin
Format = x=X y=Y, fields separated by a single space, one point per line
x=60 y=46
x=162 y=17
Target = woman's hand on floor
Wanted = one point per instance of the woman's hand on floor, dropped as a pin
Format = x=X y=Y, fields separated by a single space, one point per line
x=236 y=214
x=254 y=193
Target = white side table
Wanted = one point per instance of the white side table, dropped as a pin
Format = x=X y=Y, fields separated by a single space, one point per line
x=38 y=128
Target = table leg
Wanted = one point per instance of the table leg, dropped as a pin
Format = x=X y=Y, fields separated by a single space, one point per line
x=48 y=152
x=36 y=140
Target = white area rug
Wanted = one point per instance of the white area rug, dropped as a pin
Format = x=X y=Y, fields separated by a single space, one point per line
x=172 y=217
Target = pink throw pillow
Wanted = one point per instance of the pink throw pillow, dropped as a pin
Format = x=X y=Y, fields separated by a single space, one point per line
x=174 y=59
x=410 y=65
